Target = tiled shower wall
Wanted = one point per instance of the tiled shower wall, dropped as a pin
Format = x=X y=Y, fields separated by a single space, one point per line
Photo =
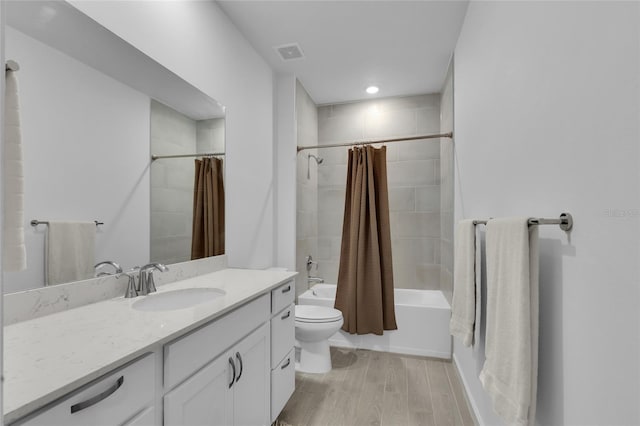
x=306 y=186
x=414 y=183
x=446 y=188
x=172 y=179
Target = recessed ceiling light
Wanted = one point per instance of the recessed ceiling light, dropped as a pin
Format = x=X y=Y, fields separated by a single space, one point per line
x=372 y=90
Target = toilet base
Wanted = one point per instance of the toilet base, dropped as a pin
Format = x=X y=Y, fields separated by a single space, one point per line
x=313 y=357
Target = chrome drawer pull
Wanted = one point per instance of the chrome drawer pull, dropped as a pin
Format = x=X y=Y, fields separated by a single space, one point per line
x=95 y=399
x=287 y=290
x=233 y=366
x=286 y=364
x=285 y=316
x=240 y=361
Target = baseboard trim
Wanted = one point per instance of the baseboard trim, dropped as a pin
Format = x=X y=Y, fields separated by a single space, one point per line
x=474 y=407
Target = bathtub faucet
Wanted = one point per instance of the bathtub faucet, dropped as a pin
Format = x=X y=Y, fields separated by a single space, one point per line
x=316 y=280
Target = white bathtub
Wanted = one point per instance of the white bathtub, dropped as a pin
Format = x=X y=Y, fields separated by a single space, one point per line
x=422 y=317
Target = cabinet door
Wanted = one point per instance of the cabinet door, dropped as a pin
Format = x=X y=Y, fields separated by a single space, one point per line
x=252 y=387
x=145 y=418
x=204 y=399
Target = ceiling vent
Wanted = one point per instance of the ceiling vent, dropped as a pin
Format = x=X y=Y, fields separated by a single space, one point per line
x=289 y=52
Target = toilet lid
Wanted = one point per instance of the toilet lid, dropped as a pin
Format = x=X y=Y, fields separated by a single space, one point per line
x=311 y=313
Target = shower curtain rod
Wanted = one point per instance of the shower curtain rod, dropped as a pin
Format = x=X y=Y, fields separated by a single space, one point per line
x=370 y=142
x=11 y=65
x=206 y=154
x=565 y=221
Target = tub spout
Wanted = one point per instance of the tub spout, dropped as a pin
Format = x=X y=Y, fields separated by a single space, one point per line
x=316 y=280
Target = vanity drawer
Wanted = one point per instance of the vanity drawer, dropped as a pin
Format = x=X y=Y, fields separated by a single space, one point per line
x=111 y=400
x=282 y=296
x=282 y=334
x=185 y=356
x=283 y=383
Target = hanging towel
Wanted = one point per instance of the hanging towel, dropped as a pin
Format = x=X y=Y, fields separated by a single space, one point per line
x=510 y=372
x=70 y=251
x=14 y=251
x=466 y=283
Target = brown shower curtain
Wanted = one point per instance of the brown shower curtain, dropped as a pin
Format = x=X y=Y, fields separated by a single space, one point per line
x=365 y=279
x=208 y=209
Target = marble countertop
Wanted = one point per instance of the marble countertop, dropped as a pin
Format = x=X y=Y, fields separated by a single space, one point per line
x=47 y=357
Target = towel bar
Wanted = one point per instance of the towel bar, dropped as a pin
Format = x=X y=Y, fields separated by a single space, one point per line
x=565 y=221
x=36 y=222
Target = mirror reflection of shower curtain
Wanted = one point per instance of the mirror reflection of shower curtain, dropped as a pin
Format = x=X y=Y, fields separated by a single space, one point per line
x=365 y=279
x=208 y=209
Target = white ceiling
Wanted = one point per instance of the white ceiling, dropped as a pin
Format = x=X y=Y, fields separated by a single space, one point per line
x=404 y=47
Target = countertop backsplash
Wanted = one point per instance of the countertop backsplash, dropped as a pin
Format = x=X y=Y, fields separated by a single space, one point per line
x=26 y=305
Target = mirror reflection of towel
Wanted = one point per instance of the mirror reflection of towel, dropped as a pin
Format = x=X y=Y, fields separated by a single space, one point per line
x=70 y=251
x=14 y=251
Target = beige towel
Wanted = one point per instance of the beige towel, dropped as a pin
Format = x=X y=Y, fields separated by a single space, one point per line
x=510 y=372
x=14 y=252
x=466 y=300
x=70 y=251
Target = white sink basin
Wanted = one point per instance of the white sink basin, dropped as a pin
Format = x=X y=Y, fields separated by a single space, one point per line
x=177 y=299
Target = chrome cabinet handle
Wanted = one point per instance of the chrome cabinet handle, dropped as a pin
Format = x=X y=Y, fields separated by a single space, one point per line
x=95 y=399
x=287 y=290
x=286 y=364
x=233 y=366
x=285 y=316
x=241 y=367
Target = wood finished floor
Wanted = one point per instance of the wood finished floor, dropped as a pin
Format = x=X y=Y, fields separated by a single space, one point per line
x=378 y=388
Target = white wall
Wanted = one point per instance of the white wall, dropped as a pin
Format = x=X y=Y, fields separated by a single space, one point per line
x=546 y=120
x=446 y=187
x=197 y=41
x=306 y=188
x=2 y=60
x=85 y=145
x=285 y=165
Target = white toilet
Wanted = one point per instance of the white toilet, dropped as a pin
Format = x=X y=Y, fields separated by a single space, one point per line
x=314 y=326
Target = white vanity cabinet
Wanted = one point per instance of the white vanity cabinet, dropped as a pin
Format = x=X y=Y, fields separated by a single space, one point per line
x=231 y=390
x=282 y=347
x=122 y=397
x=235 y=369
x=232 y=387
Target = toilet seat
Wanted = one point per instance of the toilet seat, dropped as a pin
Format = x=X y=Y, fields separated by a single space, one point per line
x=316 y=314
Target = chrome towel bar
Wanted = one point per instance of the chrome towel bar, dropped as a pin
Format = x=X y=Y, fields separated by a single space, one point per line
x=565 y=221
x=36 y=222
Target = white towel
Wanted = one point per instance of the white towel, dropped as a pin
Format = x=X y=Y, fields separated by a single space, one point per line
x=466 y=283
x=70 y=251
x=510 y=372
x=14 y=252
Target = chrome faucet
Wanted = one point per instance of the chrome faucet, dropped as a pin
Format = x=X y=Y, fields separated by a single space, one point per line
x=145 y=280
x=116 y=266
x=311 y=279
x=131 y=290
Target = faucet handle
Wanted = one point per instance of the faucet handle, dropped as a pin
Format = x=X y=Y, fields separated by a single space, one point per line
x=310 y=262
x=151 y=286
x=131 y=287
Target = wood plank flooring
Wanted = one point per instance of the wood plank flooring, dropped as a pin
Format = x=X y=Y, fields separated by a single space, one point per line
x=378 y=388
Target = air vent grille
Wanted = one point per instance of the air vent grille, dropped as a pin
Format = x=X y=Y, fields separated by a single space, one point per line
x=289 y=52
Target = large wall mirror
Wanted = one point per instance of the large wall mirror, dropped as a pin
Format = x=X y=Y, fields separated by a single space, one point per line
x=93 y=111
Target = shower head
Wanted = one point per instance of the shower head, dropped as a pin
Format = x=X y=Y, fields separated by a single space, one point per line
x=318 y=159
